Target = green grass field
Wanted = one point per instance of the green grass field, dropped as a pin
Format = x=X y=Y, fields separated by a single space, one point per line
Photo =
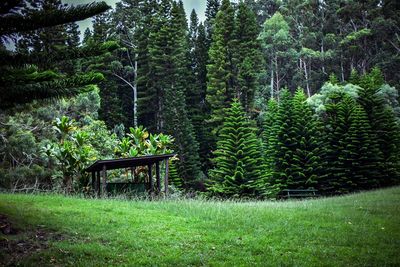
x=358 y=230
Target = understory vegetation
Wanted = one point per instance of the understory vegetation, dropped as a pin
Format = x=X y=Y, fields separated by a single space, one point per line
x=353 y=230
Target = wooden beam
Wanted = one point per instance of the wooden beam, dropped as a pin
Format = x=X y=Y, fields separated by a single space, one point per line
x=158 y=177
x=98 y=184
x=166 y=177
x=93 y=181
x=104 y=184
x=150 y=179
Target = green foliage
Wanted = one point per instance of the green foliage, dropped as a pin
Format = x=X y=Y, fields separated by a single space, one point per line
x=173 y=176
x=306 y=162
x=46 y=40
x=269 y=139
x=384 y=126
x=238 y=162
x=220 y=73
x=73 y=152
x=138 y=142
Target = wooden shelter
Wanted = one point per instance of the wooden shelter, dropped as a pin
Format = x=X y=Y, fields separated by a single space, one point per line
x=99 y=169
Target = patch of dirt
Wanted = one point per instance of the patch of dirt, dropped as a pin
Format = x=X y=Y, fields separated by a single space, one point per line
x=16 y=244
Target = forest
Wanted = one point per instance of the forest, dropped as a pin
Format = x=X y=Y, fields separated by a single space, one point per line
x=261 y=96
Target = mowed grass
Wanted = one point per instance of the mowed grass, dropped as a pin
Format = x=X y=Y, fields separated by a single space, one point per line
x=357 y=230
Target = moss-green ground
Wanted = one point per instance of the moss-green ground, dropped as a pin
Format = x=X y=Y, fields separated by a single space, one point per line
x=358 y=230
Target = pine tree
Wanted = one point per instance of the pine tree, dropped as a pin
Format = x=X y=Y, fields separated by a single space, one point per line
x=384 y=126
x=247 y=56
x=169 y=63
x=336 y=170
x=21 y=82
x=282 y=174
x=308 y=131
x=269 y=137
x=177 y=118
x=212 y=8
x=269 y=134
x=116 y=97
x=196 y=96
x=86 y=36
x=361 y=152
x=73 y=35
x=220 y=75
x=238 y=161
x=173 y=176
x=147 y=93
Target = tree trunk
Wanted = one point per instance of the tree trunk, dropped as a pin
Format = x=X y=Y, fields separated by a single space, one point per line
x=306 y=76
x=135 y=116
x=272 y=80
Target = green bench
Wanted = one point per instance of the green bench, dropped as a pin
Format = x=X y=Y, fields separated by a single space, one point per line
x=298 y=193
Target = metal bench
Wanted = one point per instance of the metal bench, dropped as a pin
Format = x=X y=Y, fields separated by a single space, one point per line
x=298 y=193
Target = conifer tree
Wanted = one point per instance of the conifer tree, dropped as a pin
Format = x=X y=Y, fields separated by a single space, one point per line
x=361 y=152
x=220 y=74
x=173 y=176
x=147 y=93
x=239 y=166
x=212 y=8
x=177 y=120
x=73 y=35
x=87 y=34
x=384 y=125
x=247 y=56
x=308 y=131
x=268 y=129
x=169 y=60
x=284 y=156
x=33 y=74
x=196 y=96
x=336 y=172
x=269 y=135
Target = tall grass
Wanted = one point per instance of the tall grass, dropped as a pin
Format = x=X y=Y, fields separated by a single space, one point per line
x=358 y=230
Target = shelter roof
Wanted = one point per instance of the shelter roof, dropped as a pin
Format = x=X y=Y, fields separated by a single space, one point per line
x=112 y=164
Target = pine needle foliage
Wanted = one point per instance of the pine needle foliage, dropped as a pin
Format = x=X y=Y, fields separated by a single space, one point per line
x=239 y=165
x=41 y=20
x=308 y=132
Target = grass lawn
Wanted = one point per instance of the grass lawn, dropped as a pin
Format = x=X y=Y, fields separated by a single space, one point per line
x=358 y=230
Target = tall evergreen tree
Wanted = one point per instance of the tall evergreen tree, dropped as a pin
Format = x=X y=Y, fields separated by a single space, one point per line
x=196 y=96
x=308 y=132
x=269 y=137
x=361 y=152
x=87 y=34
x=73 y=35
x=239 y=166
x=247 y=56
x=220 y=72
x=284 y=156
x=169 y=60
x=384 y=126
x=147 y=93
x=22 y=82
x=212 y=8
x=337 y=121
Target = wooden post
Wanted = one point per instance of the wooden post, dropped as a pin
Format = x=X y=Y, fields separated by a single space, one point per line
x=158 y=177
x=150 y=179
x=104 y=185
x=133 y=174
x=93 y=181
x=166 y=177
x=98 y=184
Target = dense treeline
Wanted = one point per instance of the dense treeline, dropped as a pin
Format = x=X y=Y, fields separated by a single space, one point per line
x=262 y=96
